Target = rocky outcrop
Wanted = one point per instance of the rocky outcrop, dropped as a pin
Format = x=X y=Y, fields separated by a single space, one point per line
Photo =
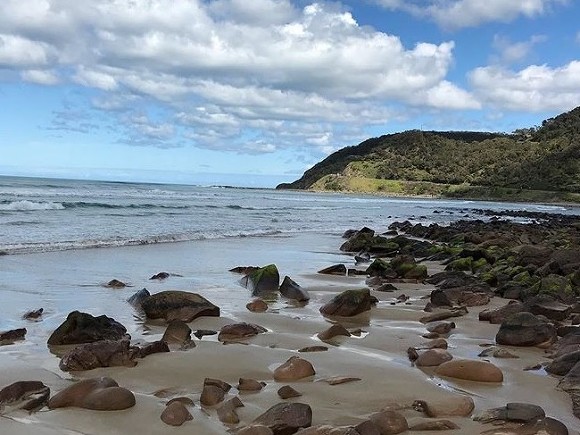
x=101 y=394
x=79 y=328
x=178 y=305
x=525 y=329
x=27 y=395
x=286 y=418
x=263 y=280
x=105 y=353
x=349 y=303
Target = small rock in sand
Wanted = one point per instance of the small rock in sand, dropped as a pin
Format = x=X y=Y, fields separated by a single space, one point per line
x=441 y=327
x=101 y=394
x=390 y=422
x=250 y=385
x=257 y=306
x=27 y=395
x=33 y=315
x=175 y=414
x=286 y=418
x=240 y=331
x=287 y=392
x=177 y=332
x=293 y=369
x=470 y=370
x=334 y=331
x=433 y=357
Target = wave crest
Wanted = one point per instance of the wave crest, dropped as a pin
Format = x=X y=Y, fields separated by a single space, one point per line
x=30 y=205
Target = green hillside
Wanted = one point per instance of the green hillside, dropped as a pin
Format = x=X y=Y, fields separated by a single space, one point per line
x=535 y=164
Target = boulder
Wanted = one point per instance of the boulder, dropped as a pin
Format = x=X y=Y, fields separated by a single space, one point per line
x=520 y=412
x=336 y=269
x=433 y=357
x=470 y=370
x=227 y=413
x=257 y=306
x=358 y=241
x=211 y=395
x=286 y=418
x=33 y=315
x=250 y=385
x=264 y=279
x=291 y=290
x=9 y=337
x=293 y=369
x=525 y=329
x=498 y=315
x=334 y=331
x=27 y=395
x=455 y=406
x=287 y=392
x=79 y=328
x=563 y=364
x=390 y=422
x=175 y=414
x=115 y=283
x=101 y=394
x=137 y=299
x=349 y=303
x=434 y=425
x=178 y=305
x=153 y=347
x=177 y=332
x=105 y=353
x=240 y=331
x=549 y=307
x=536 y=255
x=160 y=276
x=325 y=429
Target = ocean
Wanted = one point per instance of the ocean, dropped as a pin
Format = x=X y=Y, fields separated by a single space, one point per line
x=41 y=215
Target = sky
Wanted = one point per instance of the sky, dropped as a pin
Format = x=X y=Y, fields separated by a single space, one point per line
x=255 y=92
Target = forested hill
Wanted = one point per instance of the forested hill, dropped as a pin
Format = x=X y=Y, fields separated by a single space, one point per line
x=546 y=158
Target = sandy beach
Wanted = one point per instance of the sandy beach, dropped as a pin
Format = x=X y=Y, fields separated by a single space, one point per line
x=62 y=282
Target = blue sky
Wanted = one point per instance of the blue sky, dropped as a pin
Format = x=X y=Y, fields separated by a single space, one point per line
x=255 y=92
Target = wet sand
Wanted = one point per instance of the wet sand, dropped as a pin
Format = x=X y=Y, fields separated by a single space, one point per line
x=378 y=357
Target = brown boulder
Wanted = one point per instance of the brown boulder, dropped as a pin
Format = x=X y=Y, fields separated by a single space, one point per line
x=525 y=329
x=433 y=357
x=175 y=413
x=27 y=395
x=390 y=422
x=257 y=306
x=470 y=370
x=333 y=331
x=33 y=314
x=100 y=354
x=9 y=337
x=456 y=406
x=178 y=305
x=177 y=332
x=211 y=395
x=287 y=392
x=286 y=418
x=294 y=369
x=240 y=331
x=250 y=385
x=102 y=394
x=79 y=328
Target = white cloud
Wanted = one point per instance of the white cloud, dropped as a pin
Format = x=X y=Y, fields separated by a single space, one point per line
x=40 y=77
x=456 y=14
x=513 y=52
x=225 y=68
x=535 y=88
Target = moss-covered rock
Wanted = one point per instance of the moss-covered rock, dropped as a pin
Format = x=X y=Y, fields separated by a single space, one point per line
x=554 y=285
x=463 y=264
x=265 y=279
x=418 y=272
x=478 y=264
x=381 y=268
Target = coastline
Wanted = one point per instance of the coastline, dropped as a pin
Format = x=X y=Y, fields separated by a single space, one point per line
x=378 y=357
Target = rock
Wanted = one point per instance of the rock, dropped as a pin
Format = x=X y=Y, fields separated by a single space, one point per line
x=218 y=383
x=358 y=240
x=244 y=270
x=211 y=395
x=255 y=429
x=245 y=384
x=336 y=269
x=286 y=418
x=264 y=279
x=9 y=337
x=257 y=306
x=444 y=314
x=533 y=254
x=33 y=315
x=160 y=275
x=325 y=429
x=101 y=394
x=175 y=413
x=547 y=306
x=151 y=348
x=498 y=315
x=434 y=425
x=433 y=357
x=177 y=332
x=137 y=299
x=240 y=331
x=115 y=283
x=333 y=331
x=27 y=395
x=79 y=328
x=227 y=413
x=367 y=427
x=293 y=369
x=313 y=349
x=497 y=353
x=178 y=305
x=388 y=287
x=470 y=370
x=287 y=392
x=441 y=327
x=184 y=400
x=105 y=353
x=438 y=343
x=203 y=332
x=337 y=380
x=520 y=412
x=348 y=303
x=390 y=422
x=292 y=290
x=525 y=329
x=564 y=363
x=419 y=272
x=456 y=406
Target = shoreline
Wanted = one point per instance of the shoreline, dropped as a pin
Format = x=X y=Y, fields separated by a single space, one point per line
x=378 y=357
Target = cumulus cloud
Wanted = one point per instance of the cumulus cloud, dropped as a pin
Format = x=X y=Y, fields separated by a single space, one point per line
x=535 y=88
x=228 y=69
x=456 y=14
x=512 y=52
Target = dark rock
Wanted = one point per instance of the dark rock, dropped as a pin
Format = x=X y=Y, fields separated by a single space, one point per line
x=177 y=332
x=218 y=383
x=105 y=353
x=521 y=412
x=313 y=349
x=263 y=280
x=286 y=418
x=252 y=385
x=563 y=364
x=439 y=298
x=244 y=270
x=227 y=413
x=388 y=287
x=27 y=395
x=115 y=283
x=287 y=392
x=81 y=328
x=240 y=331
x=380 y=268
x=137 y=299
x=498 y=315
x=348 y=303
x=367 y=427
x=292 y=290
x=547 y=306
x=203 y=332
x=441 y=327
x=33 y=315
x=9 y=337
x=151 y=348
x=178 y=305
x=101 y=394
x=333 y=331
x=336 y=269
x=525 y=329
x=390 y=422
x=257 y=306
x=444 y=314
x=358 y=240
x=533 y=254
x=160 y=275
